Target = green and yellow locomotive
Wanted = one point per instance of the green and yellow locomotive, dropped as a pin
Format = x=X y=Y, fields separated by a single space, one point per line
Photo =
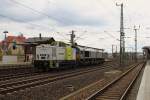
x=61 y=55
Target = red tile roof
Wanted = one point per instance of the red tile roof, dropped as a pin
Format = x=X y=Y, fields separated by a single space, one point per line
x=0 y=43
x=10 y=39
x=16 y=38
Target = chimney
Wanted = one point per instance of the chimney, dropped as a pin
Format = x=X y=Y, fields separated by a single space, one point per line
x=40 y=36
x=21 y=35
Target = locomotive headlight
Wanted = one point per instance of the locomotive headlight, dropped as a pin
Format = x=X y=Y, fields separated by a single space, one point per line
x=37 y=56
x=48 y=56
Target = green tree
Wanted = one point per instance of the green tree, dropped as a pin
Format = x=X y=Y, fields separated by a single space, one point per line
x=9 y=52
x=1 y=54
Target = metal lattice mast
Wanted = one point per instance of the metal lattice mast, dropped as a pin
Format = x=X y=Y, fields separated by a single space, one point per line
x=72 y=38
x=135 y=29
x=122 y=35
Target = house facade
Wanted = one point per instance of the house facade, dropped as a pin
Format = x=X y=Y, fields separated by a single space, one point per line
x=12 y=46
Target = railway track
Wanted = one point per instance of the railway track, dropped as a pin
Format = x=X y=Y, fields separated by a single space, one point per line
x=27 y=73
x=108 y=89
x=18 y=75
x=43 y=79
x=11 y=73
x=14 y=67
x=118 y=89
x=15 y=72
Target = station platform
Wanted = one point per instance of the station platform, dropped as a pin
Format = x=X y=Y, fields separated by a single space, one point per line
x=14 y=65
x=144 y=89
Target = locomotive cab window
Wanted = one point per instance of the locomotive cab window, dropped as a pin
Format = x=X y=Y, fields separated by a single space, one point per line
x=87 y=53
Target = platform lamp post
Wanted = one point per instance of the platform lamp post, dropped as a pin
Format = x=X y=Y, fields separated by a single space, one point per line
x=5 y=32
x=5 y=42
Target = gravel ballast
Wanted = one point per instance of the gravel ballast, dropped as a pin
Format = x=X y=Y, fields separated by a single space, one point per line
x=58 y=89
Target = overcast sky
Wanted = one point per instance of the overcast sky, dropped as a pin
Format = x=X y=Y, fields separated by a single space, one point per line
x=96 y=22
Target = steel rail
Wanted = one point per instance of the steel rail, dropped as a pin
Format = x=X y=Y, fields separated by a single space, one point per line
x=15 y=86
x=114 y=82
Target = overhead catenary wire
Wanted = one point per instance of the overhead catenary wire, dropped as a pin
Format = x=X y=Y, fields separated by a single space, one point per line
x=28 y=7
x=107 y=32
x=37 y=11
x=104 y=5
x=60 y=34
x=44 y=14
x=32 y=24
x=113 y=37
x=37 y=25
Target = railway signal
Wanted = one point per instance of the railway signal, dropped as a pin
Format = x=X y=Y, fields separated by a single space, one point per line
x=14 y=45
